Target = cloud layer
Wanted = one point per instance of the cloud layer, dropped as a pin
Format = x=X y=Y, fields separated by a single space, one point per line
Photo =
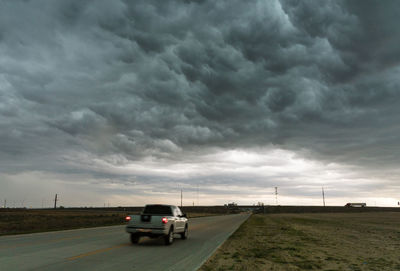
x=119 y=83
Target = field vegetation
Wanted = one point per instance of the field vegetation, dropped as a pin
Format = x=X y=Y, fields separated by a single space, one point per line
x=28 y=221
x=330 y=241
x=16 y=221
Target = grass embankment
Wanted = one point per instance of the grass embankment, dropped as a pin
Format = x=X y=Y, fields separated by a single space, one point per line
x=30 y=221
x=358 y=241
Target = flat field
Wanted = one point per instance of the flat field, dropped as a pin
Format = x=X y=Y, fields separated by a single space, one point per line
x=16 y=221
x=330 y=241
x=28 y=221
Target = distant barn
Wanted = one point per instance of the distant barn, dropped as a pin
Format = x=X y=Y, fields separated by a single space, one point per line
x=350 y=204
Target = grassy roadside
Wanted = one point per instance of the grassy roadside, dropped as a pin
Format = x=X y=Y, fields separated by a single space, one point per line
x=31 y=221
x=340 y=241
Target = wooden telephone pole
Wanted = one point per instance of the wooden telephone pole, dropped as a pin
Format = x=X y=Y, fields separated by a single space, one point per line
x=55 y=202
x=181 y=198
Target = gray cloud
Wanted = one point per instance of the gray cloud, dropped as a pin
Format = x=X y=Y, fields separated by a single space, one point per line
x=179 y=79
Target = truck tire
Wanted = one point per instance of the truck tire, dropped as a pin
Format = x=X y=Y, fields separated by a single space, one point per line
x=169 y=238
x=184 y=235
x=134 y=238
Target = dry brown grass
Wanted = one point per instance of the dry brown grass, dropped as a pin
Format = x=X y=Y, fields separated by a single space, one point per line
x=28 y=221
x=336 y=241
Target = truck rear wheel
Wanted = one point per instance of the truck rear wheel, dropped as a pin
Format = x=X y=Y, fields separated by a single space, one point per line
x=184 y=234
x=169 y=238
x=134 y=238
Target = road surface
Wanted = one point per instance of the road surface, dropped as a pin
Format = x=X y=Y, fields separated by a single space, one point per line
x=109 y=248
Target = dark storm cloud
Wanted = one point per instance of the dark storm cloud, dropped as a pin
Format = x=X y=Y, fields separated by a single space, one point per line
x=164 y=79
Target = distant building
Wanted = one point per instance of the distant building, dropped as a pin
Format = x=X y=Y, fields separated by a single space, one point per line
x=350 y=204
x=232 y=206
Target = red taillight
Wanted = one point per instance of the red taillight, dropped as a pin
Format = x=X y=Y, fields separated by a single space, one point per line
x=128 y=218
x=164 y=220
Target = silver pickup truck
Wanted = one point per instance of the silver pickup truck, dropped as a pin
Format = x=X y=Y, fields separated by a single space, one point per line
x=158 y=220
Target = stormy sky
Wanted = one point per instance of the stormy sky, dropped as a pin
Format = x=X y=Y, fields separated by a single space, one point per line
x=128 y=102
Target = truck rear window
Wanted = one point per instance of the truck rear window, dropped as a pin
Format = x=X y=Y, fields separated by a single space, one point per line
x=157 y=210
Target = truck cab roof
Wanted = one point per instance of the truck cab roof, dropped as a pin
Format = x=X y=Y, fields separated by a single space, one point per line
x=159 y=209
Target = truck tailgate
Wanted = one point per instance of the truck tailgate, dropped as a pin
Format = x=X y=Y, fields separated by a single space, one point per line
x=147 y=221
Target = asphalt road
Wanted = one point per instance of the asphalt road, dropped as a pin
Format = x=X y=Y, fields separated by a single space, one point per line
x=109 y=248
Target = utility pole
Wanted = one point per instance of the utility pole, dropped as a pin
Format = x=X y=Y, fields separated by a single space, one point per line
x=181 y=198
x=323 y=195
x=276 y=195
x=55 y=202
x=197 y=195
x=5 y=203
